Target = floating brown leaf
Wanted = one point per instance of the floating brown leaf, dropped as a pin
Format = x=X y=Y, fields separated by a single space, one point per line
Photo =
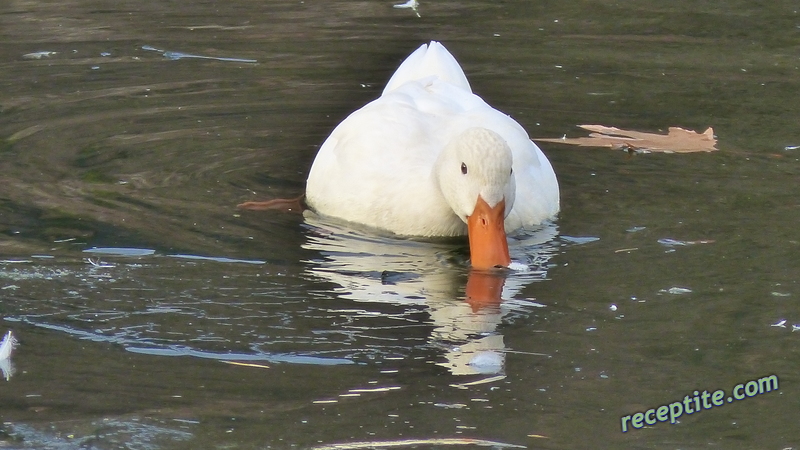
x=677 y=140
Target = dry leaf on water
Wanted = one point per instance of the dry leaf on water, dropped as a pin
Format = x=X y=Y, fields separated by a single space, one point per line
x=677 y=140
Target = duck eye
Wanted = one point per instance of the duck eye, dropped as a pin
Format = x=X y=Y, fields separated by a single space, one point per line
x=512 y=171
x=463 y=168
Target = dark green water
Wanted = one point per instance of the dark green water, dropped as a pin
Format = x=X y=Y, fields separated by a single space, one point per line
x=663 y=274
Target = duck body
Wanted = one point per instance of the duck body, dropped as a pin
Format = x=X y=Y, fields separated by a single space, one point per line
x=414 y=161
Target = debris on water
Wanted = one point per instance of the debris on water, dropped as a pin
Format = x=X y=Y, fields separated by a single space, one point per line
x=677 y=140
x=7 y=369
x=780 y=294
x=237 y=363
x=676 y=290
x=7 y=345
x=371 y=390
x=450 y=405
x=39 y=55
x=791 y=147
x=671 y=242
x=174 y=56
x=678 y=243
x=98 y=263
x=410 y=4
x=781 y=323
x=635 y=229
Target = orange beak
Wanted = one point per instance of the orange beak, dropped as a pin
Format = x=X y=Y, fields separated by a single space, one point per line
x=488 y=247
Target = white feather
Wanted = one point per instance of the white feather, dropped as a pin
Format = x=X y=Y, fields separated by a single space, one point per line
x=8 y=344
x=7 y=369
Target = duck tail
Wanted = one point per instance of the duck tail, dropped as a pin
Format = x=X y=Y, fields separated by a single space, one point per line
x=430 y=60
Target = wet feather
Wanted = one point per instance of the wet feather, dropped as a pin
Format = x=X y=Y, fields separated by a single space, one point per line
x=8 y=344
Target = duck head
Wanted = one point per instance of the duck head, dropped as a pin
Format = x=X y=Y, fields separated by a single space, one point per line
x=475 y=176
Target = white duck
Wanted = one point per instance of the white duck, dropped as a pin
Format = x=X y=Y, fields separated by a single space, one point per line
x=430 y=158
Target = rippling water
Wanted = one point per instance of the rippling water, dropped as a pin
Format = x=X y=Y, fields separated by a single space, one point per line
x=151 y=313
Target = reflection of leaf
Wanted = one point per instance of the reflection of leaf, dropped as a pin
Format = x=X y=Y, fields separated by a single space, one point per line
x=677 y=140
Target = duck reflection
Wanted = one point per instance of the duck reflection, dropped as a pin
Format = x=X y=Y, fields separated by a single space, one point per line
x=465 y=307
